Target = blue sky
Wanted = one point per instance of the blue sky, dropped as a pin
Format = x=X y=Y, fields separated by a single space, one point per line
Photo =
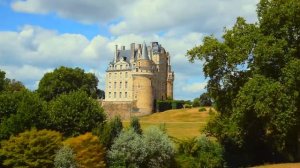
x=36 y=36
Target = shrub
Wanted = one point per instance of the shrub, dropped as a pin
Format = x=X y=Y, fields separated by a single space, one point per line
x=31 y=149
x=108 y=131
x=135 y=125
x=153 y=149
x=200 y=152
x=201 y=109
x=88 y=150
x=187 y=106
x=65 y=158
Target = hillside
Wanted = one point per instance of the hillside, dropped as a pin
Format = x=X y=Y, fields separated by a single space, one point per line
x=179 y=123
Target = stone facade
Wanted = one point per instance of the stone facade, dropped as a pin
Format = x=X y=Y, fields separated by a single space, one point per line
x=136 y=79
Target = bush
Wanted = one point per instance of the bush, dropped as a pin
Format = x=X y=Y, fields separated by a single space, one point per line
x=31 y=149
x=108 y=131
x=201 y=109
x=75 y=113
x=135 y=125
x=187 y=106
x=200 y=152
x=170 y=104
x=88 y=150
x=153 y=149
x=65 y=158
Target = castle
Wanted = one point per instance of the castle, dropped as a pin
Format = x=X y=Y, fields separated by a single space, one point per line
x=136 y=79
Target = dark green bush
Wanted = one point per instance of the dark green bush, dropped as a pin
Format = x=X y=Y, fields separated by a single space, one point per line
x=201 y=109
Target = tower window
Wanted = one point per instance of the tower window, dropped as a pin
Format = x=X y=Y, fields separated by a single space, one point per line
x=120 y=66
x=120 y=84
x=115 y=94
x=115 y=85
x=126 y=74
x=109 y=94
x=125 y=94
x=120 y=94
x=126 y=84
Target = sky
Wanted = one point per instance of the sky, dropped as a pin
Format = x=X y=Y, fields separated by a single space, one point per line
x=37 y=36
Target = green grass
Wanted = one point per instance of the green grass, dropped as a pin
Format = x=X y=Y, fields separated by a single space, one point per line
x=179 y=123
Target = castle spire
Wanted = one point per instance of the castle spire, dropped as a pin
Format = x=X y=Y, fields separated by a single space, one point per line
x=116 y=53
x=145 y=52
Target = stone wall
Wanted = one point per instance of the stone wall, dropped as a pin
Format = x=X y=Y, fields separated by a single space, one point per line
x=124 y=109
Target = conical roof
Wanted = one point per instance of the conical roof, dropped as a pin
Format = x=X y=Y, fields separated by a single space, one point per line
x=145 y=52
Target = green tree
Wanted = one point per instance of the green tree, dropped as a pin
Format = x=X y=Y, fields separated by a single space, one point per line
x=65 y=80
x=2 y=80
x=75 y=113
x=65 y=158
x=20 y=111
x=253 y=79
x=12 y=85
x=196 y=102
x=205 y=100
x=31 y=149
x=135 y=125
x=109 y=130
x=200 y=152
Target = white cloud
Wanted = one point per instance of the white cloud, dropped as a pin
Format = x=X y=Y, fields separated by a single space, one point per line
x=85 y=11
x=147 y=17
x=195 y=87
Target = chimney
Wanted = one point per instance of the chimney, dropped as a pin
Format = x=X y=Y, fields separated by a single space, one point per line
x=116 y=53
x=132 y=48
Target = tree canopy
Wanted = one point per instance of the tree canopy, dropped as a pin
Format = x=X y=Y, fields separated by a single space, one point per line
x=65 y=80
x=75 y=113
x=254 y=84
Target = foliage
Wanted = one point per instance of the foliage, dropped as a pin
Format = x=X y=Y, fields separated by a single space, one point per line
x=205 y=100
x=11 y=85
x=31 y=149
x=169 y=104
x=2 y=80
x=108 y=131
x=196 y=102
x=200 y=152
x=153 y=149
x=135 y=125
x=65 y=80
x=75 y=113
x=254 y=84
x=202 y=109
x=65 y=158
x=20 y=111
x=88 y=150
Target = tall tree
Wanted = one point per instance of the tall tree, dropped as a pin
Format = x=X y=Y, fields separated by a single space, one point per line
x=65 y=80
x=253 y=79
x=75 y=113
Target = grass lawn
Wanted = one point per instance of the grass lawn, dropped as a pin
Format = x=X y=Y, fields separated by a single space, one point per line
x=282 y=165
x=179 y=123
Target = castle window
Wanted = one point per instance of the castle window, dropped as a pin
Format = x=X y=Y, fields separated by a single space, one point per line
x=125 y=94
x=120 y=94
x=115 y=94
x=126 y=84
x=115 y=85
x=109 y=85
x=120 y=84
x=136 y=69
x=120 y=66
x=126 y=74
x=109 y=75
x=115 y=75
x=109 y=95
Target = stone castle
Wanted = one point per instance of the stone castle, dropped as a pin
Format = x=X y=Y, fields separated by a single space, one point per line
x=136 y=79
